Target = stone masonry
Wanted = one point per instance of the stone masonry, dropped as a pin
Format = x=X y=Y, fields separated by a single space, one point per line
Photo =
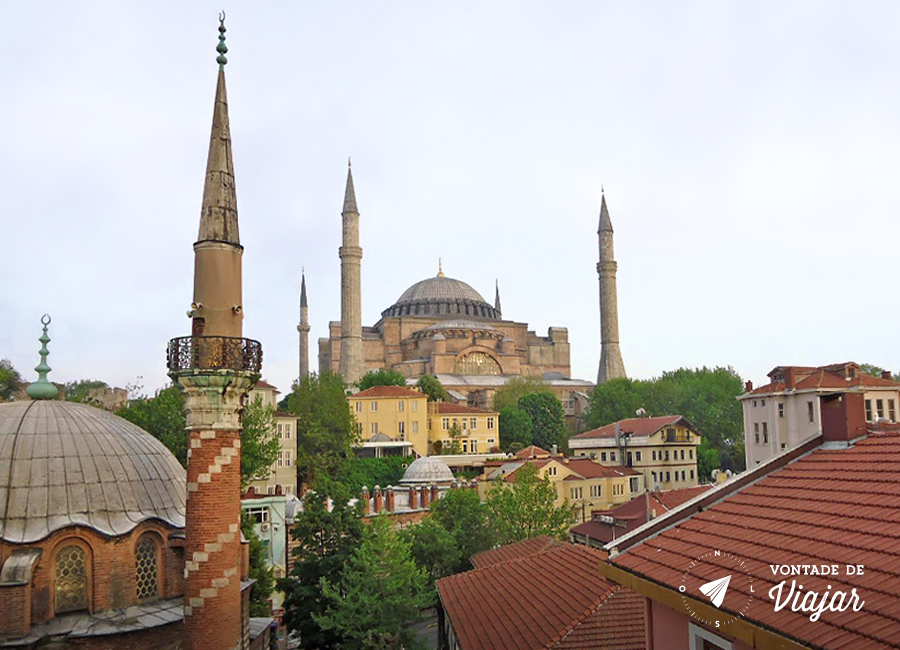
x=611 y=365
x=352 y=364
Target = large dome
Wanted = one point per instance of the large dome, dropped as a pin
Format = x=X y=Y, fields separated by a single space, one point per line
x=442 y=296
x=427 y=470
x=64 y=464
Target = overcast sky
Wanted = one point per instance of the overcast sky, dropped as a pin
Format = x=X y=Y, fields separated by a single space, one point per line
x=749 y=153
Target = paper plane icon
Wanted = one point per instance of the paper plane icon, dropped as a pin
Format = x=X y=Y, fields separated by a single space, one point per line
x=716 y=590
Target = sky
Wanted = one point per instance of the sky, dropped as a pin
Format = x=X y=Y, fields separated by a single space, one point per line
x=748 y=153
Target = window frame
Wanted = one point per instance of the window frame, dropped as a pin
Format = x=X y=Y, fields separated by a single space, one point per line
x=160 y=572
x=62 y=545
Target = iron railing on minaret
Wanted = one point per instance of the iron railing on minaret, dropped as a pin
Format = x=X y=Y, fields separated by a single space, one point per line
x=214 y=353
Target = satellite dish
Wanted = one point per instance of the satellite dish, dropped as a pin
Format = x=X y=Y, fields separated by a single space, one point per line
x=729 y=473
x=714 y=474
x=641 y=412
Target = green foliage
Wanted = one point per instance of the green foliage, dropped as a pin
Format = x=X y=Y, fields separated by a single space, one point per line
x=434 y=551
x=259 y=570
x=547 y=418
x=462 y=514
x=455 y=446
x=705 y=396
x=515 y=428
x=516 y=388
x=707 y=460
x=358 y=472
x=526 y=508
x=379 y=592
x=433 y=388
x=79 y=391
x=382 y=377
x=326 y=429
x=259 y=441
x=10 y=381
x=328 y=531
x=162 y=416
x=875 y=371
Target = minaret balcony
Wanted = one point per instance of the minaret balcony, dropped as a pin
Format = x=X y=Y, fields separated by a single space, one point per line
x=214 y=353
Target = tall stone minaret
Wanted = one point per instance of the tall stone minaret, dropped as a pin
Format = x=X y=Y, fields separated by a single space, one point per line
x=352 y=364
x=497 y=297
x=217 y=368
x=611 y=365
x=303 y=328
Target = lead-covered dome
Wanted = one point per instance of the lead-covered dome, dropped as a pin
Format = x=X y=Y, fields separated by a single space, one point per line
x=442 y=296
x=65 y=464
x=427 y=470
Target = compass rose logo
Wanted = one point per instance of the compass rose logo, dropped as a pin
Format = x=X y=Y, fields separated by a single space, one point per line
x=730 y=601
x=716 y=589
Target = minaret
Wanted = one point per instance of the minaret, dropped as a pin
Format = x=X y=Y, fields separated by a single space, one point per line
x=611 y=365
x=352 y=364
x=497 y=297
x=303 y=328
x=216 y=368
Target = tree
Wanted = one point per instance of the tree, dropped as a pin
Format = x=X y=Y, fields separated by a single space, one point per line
x=259 y=441
x=455 y=446
x=259 y=570
x=707 y=460
x=380 y=591
x=80 y=391
x=328 y=530
x=10 y=381
x=382 y=377
x=614 y=400
x=369 y=472
x=462 y=514
x=433 y=388
x=515 y=427
x=526 y=508
x=516 y=388
x=434 y=550
x=326 y=429
x=162 y=416
x=875 y=371
x=547 y=418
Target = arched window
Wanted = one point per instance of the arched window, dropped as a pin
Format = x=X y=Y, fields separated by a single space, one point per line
x=477 y=363
x=71 y=579
x=146 y=568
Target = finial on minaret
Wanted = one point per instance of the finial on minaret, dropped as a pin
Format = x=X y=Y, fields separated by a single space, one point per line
x=221 y=48
x=440 y=268
x=303 y=289
x=497 y=295
x=43 y=389
x=605 y=222
x=349 y=192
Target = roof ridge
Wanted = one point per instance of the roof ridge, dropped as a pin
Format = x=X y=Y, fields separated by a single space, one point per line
x=581 y=618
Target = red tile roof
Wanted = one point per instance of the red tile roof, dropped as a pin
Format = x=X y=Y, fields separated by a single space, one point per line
x=830 y=506
x=824 y=377
x=584 y=467
x=550 y=599
x=513 y=551
x=532 y=451
x=445 y=408
x=262 y=384
x=637 y=426
x=671 y=499
x=389 y=391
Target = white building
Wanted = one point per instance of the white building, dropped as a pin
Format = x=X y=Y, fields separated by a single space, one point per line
x=785 y=412
x=283 y=472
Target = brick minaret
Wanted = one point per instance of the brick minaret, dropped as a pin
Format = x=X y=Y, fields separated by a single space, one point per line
x=611 y=365
x=216 y=367
x=303 y=328
x=352 y=364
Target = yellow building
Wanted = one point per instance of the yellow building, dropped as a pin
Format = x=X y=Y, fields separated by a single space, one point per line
x=463 y=429
x=283 y=472
x=388 y=415
x=582 y=483
x=663 y=448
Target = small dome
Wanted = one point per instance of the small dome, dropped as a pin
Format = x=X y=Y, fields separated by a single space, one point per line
x=65 y=464
x=442 y=296
x=380 y=437
x=427 y=470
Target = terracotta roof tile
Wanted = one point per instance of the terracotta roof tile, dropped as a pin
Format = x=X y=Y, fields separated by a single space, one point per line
x=513 y=551
x=636 y=426
x=445 y=408
x=533 y=451
x=388 y=391
x=549 y=599
x=832 y=506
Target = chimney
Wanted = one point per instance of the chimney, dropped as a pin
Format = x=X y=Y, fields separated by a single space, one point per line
x=554 y=450
x=843 y=417
x=454 y=485
x=364 y=499
x=789 y=378
x=435 y=493
x=886 y=374
x=413 y=498
x=425 y=496
x=389 y=499
x=473 y=484
x=748 y=386
x=378 y=502
x=245 y=558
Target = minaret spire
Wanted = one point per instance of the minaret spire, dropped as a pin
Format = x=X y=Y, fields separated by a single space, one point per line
x=497 y=296
x=352 y=362
x=303 y=328
x=611 y=365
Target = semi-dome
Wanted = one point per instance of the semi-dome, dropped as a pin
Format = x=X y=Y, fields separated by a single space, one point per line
x=442 y=296
x=427 y=470
x=65 y=464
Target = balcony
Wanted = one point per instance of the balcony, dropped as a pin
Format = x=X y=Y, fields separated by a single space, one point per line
x=214 y=353
x=673 y=435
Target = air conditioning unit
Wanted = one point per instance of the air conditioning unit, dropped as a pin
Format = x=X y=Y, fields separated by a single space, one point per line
x=264 y=527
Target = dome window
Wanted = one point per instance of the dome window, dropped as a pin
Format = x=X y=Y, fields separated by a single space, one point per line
x=71 y=579
x=146 y=568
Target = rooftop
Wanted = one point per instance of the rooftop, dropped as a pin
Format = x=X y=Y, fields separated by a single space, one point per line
x=446 y=408
x=641 y=427
x=513 y=551
x=387 y=391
